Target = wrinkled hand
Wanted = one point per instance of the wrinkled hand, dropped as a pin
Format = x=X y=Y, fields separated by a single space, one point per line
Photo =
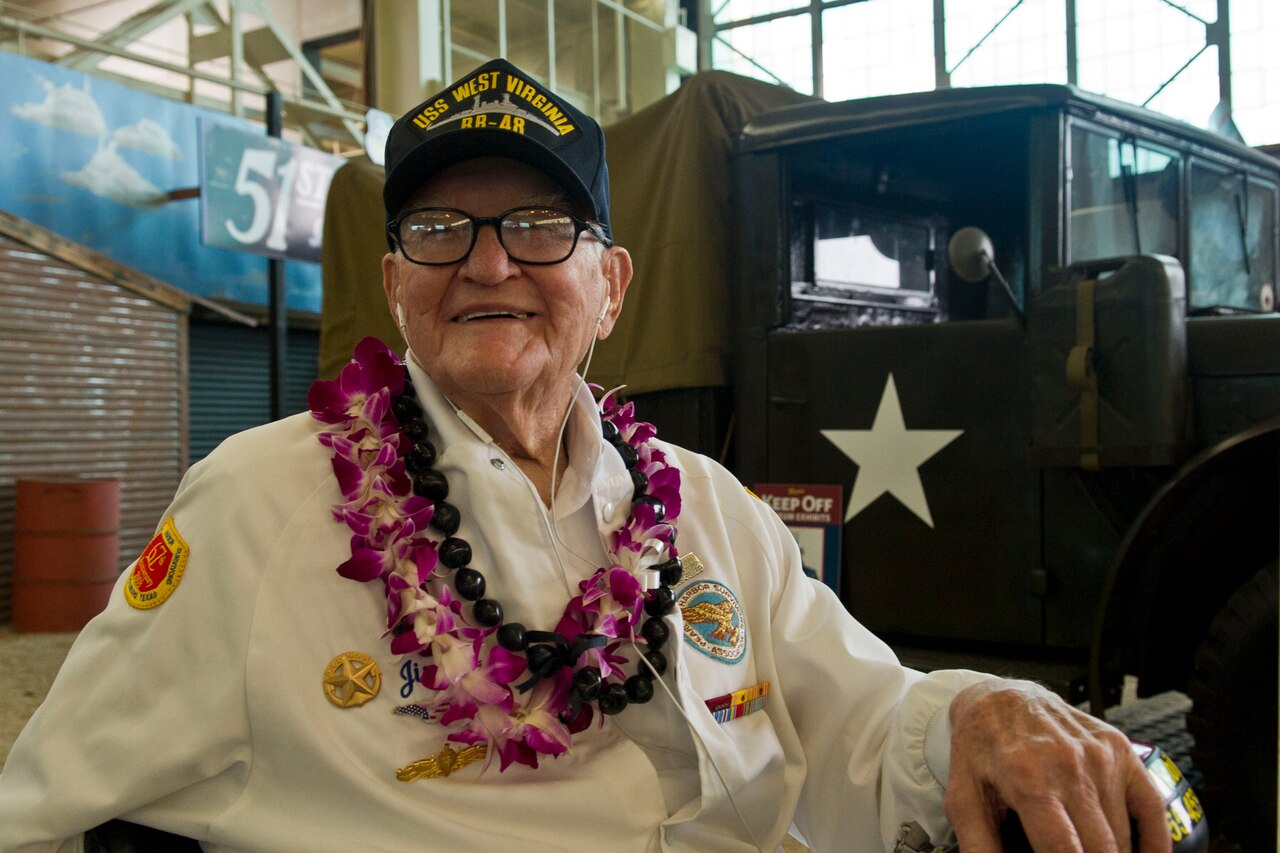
x=1073 y=780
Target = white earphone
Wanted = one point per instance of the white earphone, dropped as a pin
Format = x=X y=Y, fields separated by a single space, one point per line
x=400 y=316
x=603 y=311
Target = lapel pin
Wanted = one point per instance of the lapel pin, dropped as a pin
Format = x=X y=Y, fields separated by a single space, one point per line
x=443 y=763
x=351 y=679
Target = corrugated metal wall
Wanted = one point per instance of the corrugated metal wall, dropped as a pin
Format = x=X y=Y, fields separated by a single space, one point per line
x=230 y=379
x=92 y=385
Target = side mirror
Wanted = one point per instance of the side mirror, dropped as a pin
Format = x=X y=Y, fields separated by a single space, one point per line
x=971 y=254
x=973 y=259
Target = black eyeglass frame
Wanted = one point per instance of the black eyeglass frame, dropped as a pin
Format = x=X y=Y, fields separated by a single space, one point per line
x=477 y=222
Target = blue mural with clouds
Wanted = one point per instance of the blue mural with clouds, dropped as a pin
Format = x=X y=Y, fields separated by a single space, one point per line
x=93 y=160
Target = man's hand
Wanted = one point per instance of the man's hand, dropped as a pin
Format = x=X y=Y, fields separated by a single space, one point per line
x=1073 y=780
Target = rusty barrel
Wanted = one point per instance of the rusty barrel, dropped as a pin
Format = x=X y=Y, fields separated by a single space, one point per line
x=66 y=537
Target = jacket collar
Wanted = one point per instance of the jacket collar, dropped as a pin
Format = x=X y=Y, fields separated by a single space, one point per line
x=589 y=473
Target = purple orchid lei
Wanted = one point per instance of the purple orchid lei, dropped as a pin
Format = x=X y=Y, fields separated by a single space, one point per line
x=475 y=680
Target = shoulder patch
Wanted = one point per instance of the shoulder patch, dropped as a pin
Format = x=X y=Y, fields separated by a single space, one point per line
x=713 y=621
x=159 y=570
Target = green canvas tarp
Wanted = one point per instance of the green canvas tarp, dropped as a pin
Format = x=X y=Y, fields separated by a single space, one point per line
x=353 y=305
x=669 y=168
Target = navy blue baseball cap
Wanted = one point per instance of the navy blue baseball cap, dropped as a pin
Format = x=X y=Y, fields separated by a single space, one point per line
x=499 y=111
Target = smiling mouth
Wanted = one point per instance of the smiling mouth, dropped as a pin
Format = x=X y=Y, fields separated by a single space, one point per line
x=494 y=315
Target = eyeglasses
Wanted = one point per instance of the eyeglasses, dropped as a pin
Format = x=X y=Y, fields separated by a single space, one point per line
x=437 y=236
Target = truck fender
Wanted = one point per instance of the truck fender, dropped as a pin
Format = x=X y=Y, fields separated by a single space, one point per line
x=1203 y=535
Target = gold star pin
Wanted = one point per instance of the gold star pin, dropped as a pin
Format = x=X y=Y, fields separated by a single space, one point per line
x=351 y=679
x=442 y=763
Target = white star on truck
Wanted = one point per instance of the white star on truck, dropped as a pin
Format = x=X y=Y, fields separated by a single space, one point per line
x=889 y=457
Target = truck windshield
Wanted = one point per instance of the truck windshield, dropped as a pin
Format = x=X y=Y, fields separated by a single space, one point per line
x=1124 y=197
x=1233 y=221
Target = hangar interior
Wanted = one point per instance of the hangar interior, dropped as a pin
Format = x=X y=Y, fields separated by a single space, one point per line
x=1035 y=241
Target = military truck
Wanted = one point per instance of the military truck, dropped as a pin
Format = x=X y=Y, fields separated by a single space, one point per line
x=1060 y=441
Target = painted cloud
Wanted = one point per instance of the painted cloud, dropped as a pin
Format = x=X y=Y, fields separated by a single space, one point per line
x=149 y=137
x=109 y=176
x=66 y=108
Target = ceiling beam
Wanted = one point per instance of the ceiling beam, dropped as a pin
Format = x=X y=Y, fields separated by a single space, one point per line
x=304 y=65
x=129 y=31
x=261 y=47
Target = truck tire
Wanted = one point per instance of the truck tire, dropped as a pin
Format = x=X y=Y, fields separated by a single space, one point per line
x=1233 y=715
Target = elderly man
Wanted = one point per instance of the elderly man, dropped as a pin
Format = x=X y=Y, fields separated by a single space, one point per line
x=462 y=605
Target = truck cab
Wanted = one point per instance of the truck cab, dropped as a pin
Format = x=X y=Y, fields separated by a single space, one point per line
x=1072 y=460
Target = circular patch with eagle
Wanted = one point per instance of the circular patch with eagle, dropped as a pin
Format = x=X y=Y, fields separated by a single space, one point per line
x=713 y=622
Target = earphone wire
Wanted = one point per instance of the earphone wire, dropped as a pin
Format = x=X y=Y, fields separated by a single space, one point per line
x=693 y=730
x=557 y=540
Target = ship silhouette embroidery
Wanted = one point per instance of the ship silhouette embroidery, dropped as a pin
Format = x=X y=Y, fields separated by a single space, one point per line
x=503 y=106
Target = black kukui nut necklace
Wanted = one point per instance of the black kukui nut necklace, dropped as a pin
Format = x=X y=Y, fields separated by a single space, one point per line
x=545 y=652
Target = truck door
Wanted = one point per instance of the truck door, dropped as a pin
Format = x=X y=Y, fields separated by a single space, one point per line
x=924 y=424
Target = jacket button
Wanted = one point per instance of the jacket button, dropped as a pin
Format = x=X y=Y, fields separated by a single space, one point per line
x=608 y=511
x=500 y=464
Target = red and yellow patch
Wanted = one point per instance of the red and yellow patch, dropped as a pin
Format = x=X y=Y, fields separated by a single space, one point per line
x=159 y=570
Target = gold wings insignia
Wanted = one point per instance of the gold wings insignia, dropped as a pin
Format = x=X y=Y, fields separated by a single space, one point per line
x=443 y=763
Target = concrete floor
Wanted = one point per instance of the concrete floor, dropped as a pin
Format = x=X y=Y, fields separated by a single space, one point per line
x=28 y=663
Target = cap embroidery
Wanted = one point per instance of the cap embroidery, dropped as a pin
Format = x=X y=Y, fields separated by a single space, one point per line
x=512 y=116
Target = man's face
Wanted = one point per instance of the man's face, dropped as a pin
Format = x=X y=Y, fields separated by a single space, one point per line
x=487 y=324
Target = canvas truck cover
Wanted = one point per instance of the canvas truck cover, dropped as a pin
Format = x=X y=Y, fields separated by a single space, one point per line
x=353 y=304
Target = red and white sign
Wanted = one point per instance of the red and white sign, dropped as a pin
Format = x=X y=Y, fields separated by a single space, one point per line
x=814 y=515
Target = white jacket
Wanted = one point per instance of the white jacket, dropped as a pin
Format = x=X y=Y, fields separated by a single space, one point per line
x=206 y=715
